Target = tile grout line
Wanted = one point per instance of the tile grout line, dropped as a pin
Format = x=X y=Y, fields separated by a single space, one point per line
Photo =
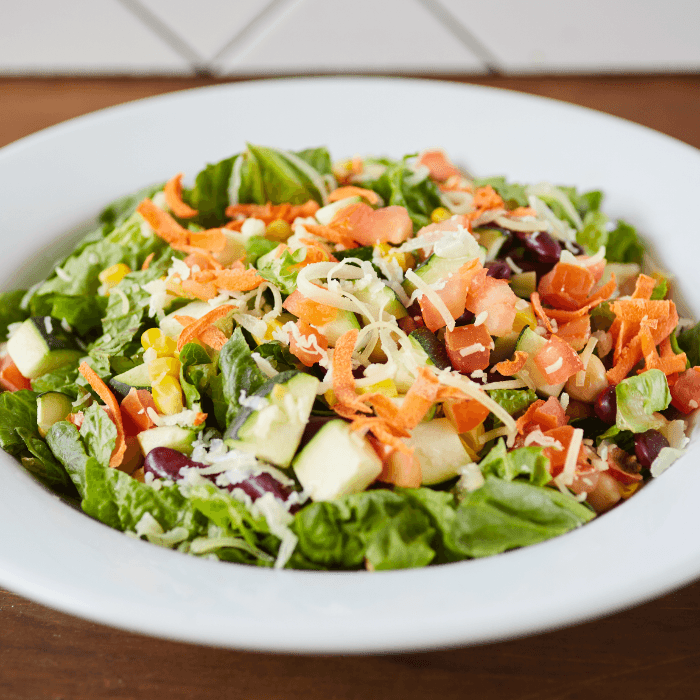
x=260 y=19
x=196 y=62
x=463 y=35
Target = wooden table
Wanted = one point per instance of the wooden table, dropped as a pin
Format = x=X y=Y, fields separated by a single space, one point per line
x=648 y=652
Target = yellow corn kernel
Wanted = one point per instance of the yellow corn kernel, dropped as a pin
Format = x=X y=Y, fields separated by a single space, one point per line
x=330 y=398
x=163 y=345
x=278 y=230
x=272 y=325
x=440 y=214
x=389 y=253
x=523 y=318
x=629 y=489
x=386 y=387
x=167 y=395
x=113 y=275
x=163 y=367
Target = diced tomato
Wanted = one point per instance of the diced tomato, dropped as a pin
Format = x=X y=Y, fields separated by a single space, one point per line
x=368 y=226
x=465 y=415
x=496 y=298
x=453 y=294
x=134 y=408
x=438 y=164
x=566 y=286
x=11 y=379
x=557 y=457
x=542 y=415
x=469 y=348
x=309 y=311
x=586 y=479
x=576 y=332
x=685 y=392
x=557 y=361
x=76 y=418
x=308 y=355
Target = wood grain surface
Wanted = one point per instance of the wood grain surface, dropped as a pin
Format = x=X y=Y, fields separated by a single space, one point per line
x=650 y=652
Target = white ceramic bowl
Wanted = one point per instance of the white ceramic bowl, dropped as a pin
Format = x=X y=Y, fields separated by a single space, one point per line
x=57 y=179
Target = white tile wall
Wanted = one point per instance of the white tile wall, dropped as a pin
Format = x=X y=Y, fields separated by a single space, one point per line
x=248 y=37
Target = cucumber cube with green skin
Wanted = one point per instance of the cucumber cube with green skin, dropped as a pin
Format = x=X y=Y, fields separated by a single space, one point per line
x=438 y=449
x=378 y=296
x=51 y=407
x=531 y=343
x=40 y=345
x=134 y=378
x=336 y=462
x=435 y=269
x=172 y=436
x=344 y=321
x=270 y=426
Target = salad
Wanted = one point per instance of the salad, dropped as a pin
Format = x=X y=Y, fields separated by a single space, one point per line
x=368 y=364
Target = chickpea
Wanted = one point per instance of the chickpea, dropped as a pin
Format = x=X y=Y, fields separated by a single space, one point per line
x=594 y=382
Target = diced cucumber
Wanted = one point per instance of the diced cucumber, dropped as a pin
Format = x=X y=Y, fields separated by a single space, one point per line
x=438 y=449
x=325 y=214
x=433 y=348
x=51 y=407
x=435 y=269
x=491 y=239
x=503 y=347
x=524 y=284
x=272 y=431
x=40 y=345
x=336 y=462
x=345 y=321
x=531 y=343
x=172 y=436
x=407 y=359
x=134 y=378
x=379 y=296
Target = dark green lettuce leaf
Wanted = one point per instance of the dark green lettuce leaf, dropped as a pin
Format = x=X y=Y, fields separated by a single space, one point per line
x=381 y=526
x=689 y=342
x=282 y=270
x=196 y=372
x=256 y=247
x=503 y=515
x=210 y=194
x=82 y=313
x=63 y=379
x=238 y=373
x=42 y=464
x=11 y=310
x=277 y=355
x=17 y=410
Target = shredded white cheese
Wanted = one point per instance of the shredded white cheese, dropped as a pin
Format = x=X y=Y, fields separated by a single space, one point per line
x=433 y=297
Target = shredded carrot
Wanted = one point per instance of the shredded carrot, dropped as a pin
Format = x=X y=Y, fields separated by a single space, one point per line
x=203 y=261
x=270 y=212
x=643 y=287
x=147 y=261
x=134 y=409
x=212 y=239
x=173 y=198
x=509 y=367
x=194 y=329
x=343 y=380
x=197 y=290
x=237 y=279
x=387 y=410
x=351 y=191
x=335 y=233
x=632 y=352
x=485 y=198
x=103 y=391
x=213 y=337
x=419 y=398
x=522 y=211
x=381 y=430
x=540 y=312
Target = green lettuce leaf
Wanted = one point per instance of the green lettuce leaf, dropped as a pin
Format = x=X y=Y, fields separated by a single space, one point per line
x=512 y=400
x=594 y=233
x=689 y=342
x=196 y=372
x=512 y=194
x=17 y=410
x=381 y=526
x=256 y=247
x=11 y=310
x=82 y=313
x=277 y=355
x=281 y=270
x=624 y=245
x=660 y=290
x=63 y=379
x=503 y=515
x=210 y=194
x=638 y=398
x=238 y=373
x=528 y=462
x=99 y=434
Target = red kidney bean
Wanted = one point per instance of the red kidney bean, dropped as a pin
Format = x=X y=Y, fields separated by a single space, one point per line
x=606 y=405
x=648 y=445
x=499 y=270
